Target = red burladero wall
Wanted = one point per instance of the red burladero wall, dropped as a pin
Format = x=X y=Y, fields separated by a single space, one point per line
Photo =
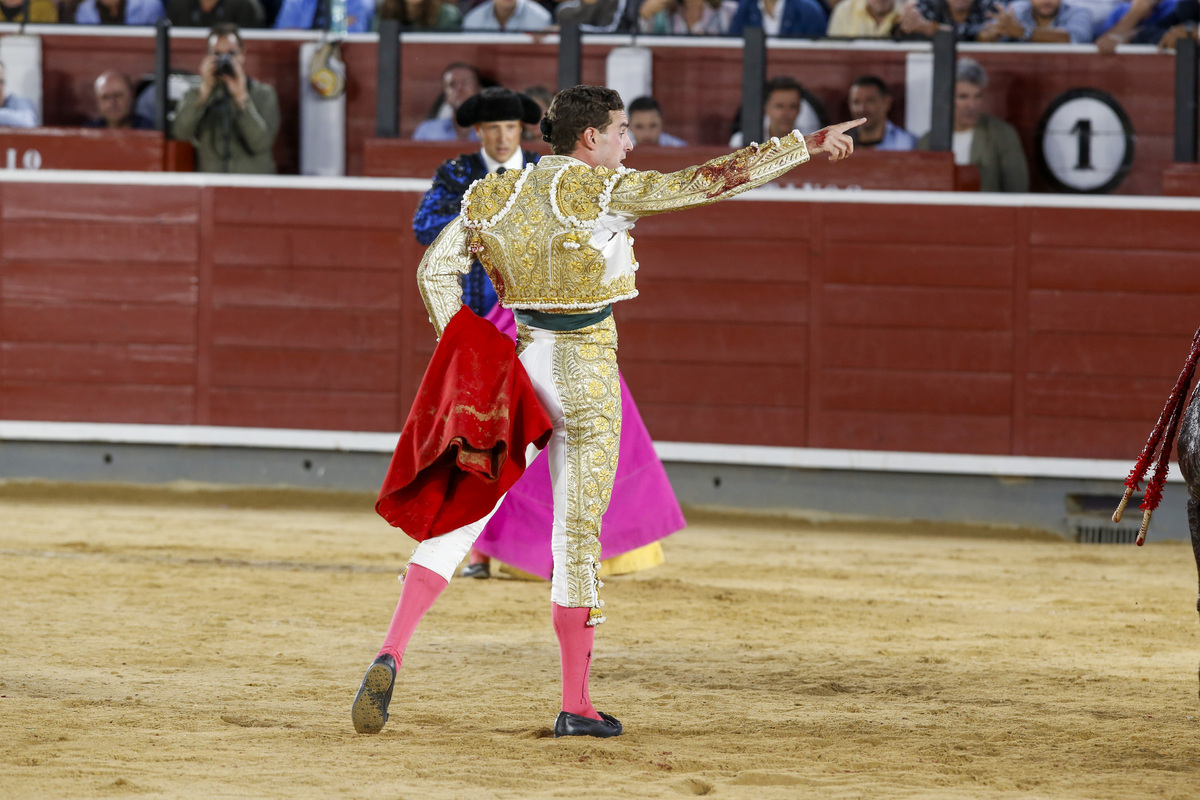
x=950 y=328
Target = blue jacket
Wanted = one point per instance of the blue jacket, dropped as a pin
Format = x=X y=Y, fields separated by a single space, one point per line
x=299 y=14
x=18 y=112
x=137 y=12
x=800 y=18
x=442 y=203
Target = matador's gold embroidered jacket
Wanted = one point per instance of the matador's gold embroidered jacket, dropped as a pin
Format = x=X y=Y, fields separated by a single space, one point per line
x=554 y=237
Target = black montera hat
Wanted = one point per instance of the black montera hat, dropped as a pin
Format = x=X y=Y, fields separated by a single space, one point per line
x=496 y=104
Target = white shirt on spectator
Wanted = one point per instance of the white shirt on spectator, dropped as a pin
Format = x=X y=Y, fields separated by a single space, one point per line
x=772 y=24
x=962 y=146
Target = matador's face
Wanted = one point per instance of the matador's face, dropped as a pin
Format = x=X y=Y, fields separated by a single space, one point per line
x=612 y=143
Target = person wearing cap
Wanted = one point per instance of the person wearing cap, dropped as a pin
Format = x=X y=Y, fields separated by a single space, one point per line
x=496 y=116
x=556 y=239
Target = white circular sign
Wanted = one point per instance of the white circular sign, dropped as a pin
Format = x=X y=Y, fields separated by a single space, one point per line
x=1086 y=141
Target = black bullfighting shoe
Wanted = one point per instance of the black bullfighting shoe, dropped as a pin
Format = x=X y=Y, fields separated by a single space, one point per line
x=578 y=725
x=370 y=709
x=481 y=570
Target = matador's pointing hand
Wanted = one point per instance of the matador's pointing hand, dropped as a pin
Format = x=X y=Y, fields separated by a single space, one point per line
x=833 y=140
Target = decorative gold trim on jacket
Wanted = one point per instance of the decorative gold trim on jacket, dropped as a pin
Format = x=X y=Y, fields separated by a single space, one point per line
x=585 y=372
x=438 y=274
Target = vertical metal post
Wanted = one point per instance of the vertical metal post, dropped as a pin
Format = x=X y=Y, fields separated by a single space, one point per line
x=941 y=123
x=387 y=92
x=162 y=74
x=570 y=56
x=1185 y=101
x=754 y=75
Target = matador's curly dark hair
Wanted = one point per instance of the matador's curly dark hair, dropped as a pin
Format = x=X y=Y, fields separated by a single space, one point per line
x=575 y=110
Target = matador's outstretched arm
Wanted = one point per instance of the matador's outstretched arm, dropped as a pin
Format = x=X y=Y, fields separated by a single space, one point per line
x=638 y=194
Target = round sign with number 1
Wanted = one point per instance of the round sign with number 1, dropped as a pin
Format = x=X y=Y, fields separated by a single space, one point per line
x=1085 y=142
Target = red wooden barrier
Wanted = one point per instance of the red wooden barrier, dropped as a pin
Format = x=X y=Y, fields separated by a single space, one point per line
x=900 y=325
x=92 y=148
x=1182 y=180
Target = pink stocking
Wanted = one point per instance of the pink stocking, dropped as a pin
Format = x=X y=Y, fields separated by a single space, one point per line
x=575 y=649
x=421 y=587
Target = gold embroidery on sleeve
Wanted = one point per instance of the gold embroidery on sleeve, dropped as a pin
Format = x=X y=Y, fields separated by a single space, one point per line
x=643 y=193
x=438 y=274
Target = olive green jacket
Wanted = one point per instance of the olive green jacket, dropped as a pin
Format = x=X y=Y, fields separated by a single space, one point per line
x=226 y=138
x=996 y=150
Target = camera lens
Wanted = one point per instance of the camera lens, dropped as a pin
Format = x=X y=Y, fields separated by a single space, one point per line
x=224 y=64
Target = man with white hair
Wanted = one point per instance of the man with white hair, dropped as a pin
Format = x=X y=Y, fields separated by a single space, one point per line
x=114 y=102
x=988 y=142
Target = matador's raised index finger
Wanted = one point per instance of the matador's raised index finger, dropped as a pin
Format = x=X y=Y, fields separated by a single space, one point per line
x=842 y=127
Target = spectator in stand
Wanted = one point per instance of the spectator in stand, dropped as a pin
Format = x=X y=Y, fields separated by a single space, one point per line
x=15 y=111
x=920 y=18
x=41 y=12
x=597 y=16
x=780 y=17
x=864 y=19
x=646 y=124
x=1044 y=21
x=459 y=81
x=314 y=15
x=871 y=99
x=507 y=15
x=421 y=15
x=694 y=17
x=1138 y=22
x=114 y=102
x=209 y=13
x=1099 y=9
x=231 y=119
x=1183 y=24
x=786 y=110
x=119 y=12
x=987 y=142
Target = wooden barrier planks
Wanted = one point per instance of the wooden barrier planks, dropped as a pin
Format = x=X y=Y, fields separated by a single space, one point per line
x=858 y=324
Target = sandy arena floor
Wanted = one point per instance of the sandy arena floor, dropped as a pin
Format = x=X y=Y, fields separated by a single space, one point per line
x=208 y=645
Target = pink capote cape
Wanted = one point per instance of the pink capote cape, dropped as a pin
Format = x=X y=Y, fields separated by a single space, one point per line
x=643 y=507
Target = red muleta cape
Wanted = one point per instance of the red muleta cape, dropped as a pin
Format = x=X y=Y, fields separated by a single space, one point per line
x=463 y=444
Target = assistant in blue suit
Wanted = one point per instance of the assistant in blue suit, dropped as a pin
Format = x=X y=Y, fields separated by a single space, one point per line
x=497 y=115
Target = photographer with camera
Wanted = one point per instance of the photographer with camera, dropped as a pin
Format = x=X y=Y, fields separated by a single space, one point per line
x=230 y=118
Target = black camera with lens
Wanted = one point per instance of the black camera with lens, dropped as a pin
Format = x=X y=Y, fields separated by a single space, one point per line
x=223 y=65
